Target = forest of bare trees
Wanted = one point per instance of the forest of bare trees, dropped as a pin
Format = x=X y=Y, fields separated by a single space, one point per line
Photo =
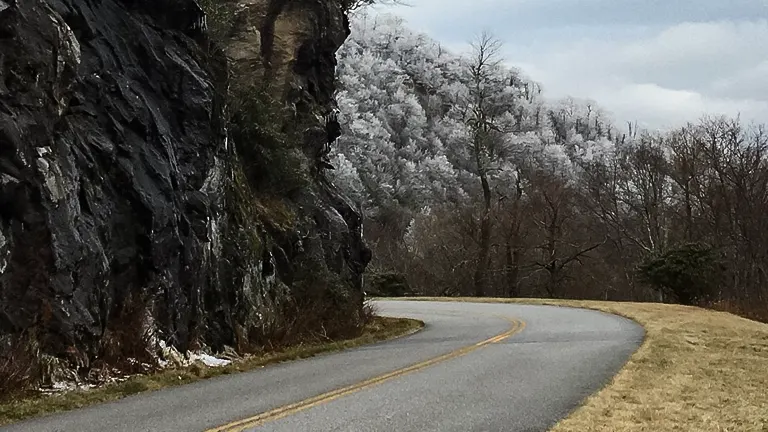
x=677 y=217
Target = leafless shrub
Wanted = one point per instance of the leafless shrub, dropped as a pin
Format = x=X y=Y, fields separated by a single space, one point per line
x=20 y=368
x=128 y=344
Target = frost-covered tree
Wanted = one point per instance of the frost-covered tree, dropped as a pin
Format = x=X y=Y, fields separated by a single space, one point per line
x=426 y=128
x=488 y=107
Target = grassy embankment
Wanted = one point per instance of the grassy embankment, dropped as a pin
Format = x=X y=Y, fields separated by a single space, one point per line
x=35 y=404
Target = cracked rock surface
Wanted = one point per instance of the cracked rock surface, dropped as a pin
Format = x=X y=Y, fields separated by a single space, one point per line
x=115 y=162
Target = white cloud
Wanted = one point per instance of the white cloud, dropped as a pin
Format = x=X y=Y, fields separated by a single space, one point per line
x=659 y=107
x=687 y=54
x=674 y=76
x=747 y=83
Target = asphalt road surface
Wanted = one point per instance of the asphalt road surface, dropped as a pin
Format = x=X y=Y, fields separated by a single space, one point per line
x=474 y=367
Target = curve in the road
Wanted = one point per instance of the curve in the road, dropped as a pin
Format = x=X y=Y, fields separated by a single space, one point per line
x=435 y=380
x=261 y=419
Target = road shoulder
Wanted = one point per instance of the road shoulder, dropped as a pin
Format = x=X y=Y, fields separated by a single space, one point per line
x=35 y=405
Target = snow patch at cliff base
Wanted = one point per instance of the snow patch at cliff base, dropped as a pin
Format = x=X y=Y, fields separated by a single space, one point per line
x=209 y=360
x=171 y=357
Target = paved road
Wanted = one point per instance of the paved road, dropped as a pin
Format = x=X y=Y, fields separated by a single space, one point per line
x=475 y=367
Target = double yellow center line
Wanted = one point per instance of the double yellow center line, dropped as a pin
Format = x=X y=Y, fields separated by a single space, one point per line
x=284 y=411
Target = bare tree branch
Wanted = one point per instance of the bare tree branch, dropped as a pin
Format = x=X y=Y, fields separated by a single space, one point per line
x=354 y=5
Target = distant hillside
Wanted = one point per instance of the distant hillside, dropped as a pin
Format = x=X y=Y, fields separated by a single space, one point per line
x=404 y=141
x=474 y=184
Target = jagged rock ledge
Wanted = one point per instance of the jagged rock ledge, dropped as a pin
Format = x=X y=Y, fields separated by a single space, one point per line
x=122 y=193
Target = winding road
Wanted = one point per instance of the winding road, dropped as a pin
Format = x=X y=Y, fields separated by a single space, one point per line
x=474 y=367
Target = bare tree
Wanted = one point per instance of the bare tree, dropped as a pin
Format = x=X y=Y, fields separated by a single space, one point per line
x=645 y=190
x=555 y=212
x=513 y=250
x=482 y=113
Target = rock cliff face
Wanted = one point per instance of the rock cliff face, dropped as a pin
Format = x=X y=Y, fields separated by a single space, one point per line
x=128 y=199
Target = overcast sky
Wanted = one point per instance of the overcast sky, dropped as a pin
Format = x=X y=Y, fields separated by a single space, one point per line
x=660 y=62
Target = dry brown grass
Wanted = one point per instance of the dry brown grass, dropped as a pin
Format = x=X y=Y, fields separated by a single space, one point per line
x=698 y=370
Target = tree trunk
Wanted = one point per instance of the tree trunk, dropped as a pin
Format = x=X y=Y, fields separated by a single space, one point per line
x=512 y=269
x=551 y=287
x=481 y=274
x=552 y=253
